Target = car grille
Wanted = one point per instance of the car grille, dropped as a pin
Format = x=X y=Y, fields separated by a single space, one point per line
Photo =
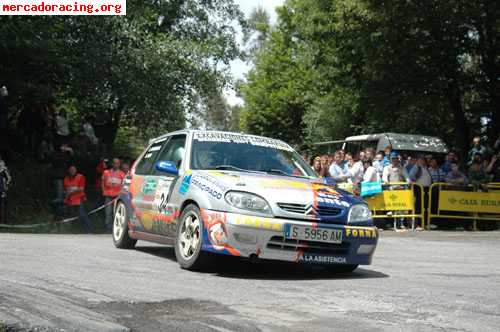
x=294 y=208
x=281 y=243
x=303 y=208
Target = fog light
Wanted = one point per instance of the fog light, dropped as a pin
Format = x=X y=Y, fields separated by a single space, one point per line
x=245 y=238
x=365 y=249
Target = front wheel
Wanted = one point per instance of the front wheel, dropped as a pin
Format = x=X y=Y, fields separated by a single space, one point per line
x=121 y=239
x=189 y=240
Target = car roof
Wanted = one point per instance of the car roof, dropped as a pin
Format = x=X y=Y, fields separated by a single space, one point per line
x=188 y=131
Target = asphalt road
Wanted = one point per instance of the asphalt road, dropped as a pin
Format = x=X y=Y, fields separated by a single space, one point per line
x=418 y=282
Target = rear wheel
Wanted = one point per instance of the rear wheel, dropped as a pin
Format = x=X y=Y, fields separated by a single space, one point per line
x=121 y=239
x=189 y=240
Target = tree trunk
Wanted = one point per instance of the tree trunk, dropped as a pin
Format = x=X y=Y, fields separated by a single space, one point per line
x=460 y=123
x=115 y=124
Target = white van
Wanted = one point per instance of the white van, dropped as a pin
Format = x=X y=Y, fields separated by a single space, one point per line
x=398 y=142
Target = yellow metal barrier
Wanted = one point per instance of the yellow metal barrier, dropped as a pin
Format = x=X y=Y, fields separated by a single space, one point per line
x=454 y=202
x=398 y=200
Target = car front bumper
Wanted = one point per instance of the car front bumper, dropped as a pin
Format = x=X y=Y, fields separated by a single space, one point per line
x=258 y=237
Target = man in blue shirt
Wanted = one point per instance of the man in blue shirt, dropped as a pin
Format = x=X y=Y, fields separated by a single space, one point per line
x=337 y=172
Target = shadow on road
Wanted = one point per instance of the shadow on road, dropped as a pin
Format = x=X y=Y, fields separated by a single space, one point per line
x=269 y=270
x=163 y=252
x=237 y=268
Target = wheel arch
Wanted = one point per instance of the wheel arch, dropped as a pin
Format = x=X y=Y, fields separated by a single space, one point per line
x=186 y=203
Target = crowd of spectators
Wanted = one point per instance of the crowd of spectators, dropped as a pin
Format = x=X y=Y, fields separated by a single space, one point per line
x=481 y=166
x=74 y=153
x=71 y=186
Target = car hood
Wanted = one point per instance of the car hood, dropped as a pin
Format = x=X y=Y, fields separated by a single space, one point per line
x=289 y=196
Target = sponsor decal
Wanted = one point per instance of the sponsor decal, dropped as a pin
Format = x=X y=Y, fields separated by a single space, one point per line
x=155 y=148
x=395 y=200
x=321 y=259
x=215 y=233
x=206 y=188
x=210 y=180
x=162 y=227
x=258 y=222
x=361 y=232
x=149 y=187
x=283 y=184
x=327 y=196
x=186 y=182
x=209 y=136
x=481 y=202
x=161 y=196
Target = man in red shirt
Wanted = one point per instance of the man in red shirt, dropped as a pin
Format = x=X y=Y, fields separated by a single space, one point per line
x=74 y=189
x=111 y=184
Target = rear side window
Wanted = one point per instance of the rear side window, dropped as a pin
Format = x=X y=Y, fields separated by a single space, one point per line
x=145 y=165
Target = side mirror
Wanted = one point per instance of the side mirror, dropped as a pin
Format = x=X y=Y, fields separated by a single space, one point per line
x=167 y=167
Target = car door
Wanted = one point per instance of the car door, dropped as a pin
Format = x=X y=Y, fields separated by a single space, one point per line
x=142 y=187
x=164 y=213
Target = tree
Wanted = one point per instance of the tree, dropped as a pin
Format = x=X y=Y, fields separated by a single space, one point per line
x=371 y=65
x=147 y=69
x=257 y=30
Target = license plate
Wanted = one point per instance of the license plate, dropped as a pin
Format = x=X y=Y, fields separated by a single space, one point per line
x=295 y=232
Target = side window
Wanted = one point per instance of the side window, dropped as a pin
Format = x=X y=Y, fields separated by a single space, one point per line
x=146 y=163
x=174 y=151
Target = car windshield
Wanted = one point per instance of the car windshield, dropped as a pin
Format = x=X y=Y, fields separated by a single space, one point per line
x=266 y=155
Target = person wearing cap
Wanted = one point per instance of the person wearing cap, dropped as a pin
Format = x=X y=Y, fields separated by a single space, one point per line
x=394 y=171
x=387 y=152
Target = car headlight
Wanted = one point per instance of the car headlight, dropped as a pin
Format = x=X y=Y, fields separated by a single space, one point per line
x=359 y=213
x=247 y=201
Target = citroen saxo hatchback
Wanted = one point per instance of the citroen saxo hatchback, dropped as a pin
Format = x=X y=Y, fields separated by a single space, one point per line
x=212 y=192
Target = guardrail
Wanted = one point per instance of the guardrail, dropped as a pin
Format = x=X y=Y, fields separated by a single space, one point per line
x=398 y=200
x=462 y=202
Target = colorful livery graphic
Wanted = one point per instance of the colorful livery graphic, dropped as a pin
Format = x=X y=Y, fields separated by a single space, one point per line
x=211 y=192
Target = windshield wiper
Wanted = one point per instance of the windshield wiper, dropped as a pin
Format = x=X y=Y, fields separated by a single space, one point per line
x=233 y=168
x=229 y=167
x=280 y=172
x=275 y=171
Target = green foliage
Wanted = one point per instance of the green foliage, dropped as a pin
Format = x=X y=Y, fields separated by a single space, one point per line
x=146 y=69
x=277 y=91
x=362 y=66
x=257 y=30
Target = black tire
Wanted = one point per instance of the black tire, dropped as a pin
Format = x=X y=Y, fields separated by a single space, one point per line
x=121 y=239
x=342 y=268
x=197 y=260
